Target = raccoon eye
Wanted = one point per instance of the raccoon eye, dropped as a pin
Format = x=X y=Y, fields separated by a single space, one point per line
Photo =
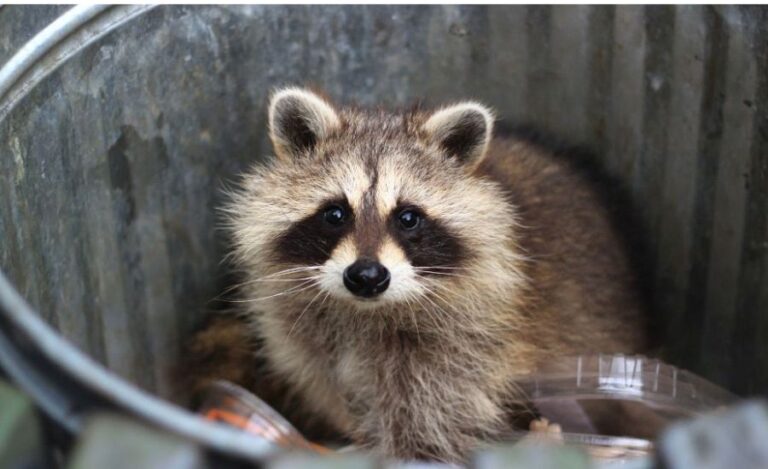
x=335 y=215
x=409 y=219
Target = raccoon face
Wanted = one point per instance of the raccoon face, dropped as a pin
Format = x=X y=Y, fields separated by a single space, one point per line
x=373 y=208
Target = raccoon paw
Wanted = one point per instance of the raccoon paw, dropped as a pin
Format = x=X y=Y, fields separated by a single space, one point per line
x=543 y=425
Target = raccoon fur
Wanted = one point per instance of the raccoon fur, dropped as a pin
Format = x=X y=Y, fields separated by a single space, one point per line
x=402 y=269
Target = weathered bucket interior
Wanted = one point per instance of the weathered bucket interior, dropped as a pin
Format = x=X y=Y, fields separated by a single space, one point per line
x=112 y=165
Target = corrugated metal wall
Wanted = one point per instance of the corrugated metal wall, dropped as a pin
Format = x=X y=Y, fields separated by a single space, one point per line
x=109 y=165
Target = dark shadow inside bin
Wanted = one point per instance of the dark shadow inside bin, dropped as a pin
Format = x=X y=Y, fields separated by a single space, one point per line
x=112 y=165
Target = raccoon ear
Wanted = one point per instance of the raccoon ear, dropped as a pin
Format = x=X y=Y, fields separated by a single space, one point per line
x=298 y=119
x=462 y=130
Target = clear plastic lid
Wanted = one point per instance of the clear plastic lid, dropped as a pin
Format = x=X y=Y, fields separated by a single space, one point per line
x=614 y=406
x=625 y=377
x=230 y=404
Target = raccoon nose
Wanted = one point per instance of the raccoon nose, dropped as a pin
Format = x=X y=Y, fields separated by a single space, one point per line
x=366 y=278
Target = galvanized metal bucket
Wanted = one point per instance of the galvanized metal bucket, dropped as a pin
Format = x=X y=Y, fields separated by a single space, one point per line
x=118 y=125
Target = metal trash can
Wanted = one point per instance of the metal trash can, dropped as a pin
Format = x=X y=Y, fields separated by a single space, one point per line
x=119 y=123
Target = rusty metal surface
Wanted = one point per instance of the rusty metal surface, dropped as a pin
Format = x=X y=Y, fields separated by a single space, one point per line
x=110 y=165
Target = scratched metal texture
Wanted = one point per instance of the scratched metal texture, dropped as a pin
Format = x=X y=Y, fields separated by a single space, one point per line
x=110 y=167
x=19 y=23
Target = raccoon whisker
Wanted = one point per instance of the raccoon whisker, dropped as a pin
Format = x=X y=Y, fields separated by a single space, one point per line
x=300 y=267
x=228 y=290
x=278 y=280
x=297 y=289
x=427 y=283
x=283 y=280
x=260 y=280
x=457 y=313
x=441 y=270
x=414 y=318
x=445 y=274
x=304 y=311
x=227 y=258
x=426 y=309
x=293 y=270
x=441 y=267
x=432 y=292
x=430 y=310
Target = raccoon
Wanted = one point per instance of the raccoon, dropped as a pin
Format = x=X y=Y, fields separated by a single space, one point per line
x=402 y=269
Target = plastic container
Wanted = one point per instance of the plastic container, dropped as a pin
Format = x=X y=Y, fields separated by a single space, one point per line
x=615 y=406
x=230 y=404
x=612 y=406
